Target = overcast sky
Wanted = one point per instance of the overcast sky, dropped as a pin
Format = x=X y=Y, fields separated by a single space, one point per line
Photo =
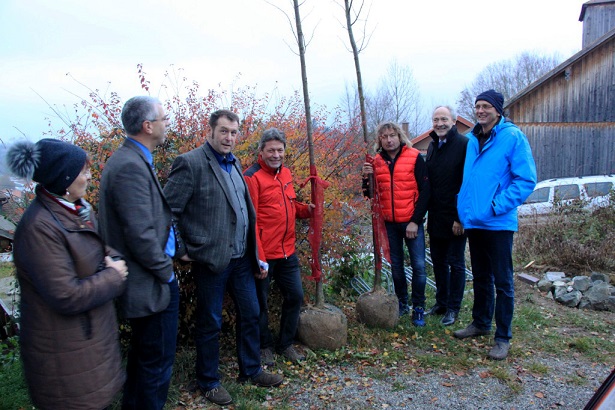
x=234 y=43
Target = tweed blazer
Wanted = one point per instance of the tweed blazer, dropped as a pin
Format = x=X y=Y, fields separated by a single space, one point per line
x=135 y=218
x=201 y=202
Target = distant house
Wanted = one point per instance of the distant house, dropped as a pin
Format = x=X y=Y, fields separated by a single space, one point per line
x=7 y=230
x=422 y=141
x=568 y=114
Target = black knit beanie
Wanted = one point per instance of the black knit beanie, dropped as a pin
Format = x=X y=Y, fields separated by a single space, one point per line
x=52 y=163
x=494 y=98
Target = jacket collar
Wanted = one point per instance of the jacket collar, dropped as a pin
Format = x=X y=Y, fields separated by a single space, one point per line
x=503 y=123
x=386 y=155
x=450 y=135
x=67 y=218
x=267 y=168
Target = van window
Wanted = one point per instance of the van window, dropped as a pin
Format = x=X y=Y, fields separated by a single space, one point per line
x=539 y=195
x=595 y=189
x=564 y=192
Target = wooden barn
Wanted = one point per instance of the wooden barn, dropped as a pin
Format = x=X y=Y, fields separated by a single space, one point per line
x=568 y=115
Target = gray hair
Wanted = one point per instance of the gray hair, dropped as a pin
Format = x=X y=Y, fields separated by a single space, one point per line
x=136 y=111
x=272 y=134
x=450 y=109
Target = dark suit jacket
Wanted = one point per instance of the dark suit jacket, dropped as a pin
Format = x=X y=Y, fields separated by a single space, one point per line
x=445 y=168
x=135 y=219
x=201 y=202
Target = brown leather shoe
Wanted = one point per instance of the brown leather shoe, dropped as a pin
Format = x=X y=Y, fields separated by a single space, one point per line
x=470 y=331
x=291 y=354
x=218 y=395
x=267 y=357
x=264 y=379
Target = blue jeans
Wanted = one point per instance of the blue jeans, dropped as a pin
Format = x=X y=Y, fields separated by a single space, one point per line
x=396 y=233
x=448 y=257
x=150 y=359
x=285 y=273
x=491 y=255
x=238 y=277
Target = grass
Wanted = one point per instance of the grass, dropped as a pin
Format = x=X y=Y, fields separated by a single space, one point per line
x=7 y=269
x=543 y=331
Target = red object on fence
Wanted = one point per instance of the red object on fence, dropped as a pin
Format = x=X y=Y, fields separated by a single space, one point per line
x=316 y=220
x=381 y=240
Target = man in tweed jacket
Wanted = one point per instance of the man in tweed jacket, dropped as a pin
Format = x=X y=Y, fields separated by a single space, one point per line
x=211 y=201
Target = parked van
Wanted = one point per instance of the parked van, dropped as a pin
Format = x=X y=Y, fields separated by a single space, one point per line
x=592 y=191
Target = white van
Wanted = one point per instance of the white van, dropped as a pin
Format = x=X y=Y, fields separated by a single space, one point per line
x=594 y=192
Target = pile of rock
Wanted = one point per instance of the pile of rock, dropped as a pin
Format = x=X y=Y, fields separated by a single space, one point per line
x=584 y=292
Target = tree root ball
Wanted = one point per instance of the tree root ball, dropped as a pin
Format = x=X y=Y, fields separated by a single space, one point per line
x=325 y=328
x=378 y=309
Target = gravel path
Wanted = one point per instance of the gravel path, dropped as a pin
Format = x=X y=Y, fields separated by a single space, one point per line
x=568 y=385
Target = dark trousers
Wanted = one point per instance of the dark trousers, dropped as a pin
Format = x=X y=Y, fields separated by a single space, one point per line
x=396 y=233
x=238 y=278
x=285 y=273
x=151 y=356
x=448 y=257
x=492 y=265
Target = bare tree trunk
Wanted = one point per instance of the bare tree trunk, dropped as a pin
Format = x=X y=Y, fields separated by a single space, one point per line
x=320 y=296
x=355 y=53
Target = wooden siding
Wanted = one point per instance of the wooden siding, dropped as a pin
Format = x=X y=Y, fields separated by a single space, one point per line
x=583 y=92
x=598 y=19
x=570 y=150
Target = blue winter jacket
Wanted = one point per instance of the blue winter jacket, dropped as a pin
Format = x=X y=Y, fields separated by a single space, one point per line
x=496 y=180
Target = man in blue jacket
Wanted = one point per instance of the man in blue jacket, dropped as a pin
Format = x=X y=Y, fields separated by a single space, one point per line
x=499 y=174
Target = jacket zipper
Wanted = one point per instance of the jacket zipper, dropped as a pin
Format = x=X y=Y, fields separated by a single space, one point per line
x=285 y=210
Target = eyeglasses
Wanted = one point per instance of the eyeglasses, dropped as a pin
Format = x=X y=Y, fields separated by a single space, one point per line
x=485 y=107
x=165 y=119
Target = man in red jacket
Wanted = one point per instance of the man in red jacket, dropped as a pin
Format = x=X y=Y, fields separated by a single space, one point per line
x=271 y=188
x=403 y=186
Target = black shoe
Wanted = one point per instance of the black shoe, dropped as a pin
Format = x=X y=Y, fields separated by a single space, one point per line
x=449 y=318
x=436 y=310
x=218 y=395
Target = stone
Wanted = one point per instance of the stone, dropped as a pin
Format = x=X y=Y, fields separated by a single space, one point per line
x=559 y=283
x=570 y=299
x=584 y=303
x=581 y=283
x=598 y=295
x=553 y=276
x=611 y=304
x=529 y=279
x=596 y=276
x=378 y=309
x=559 y=291
x=323 y=328
x=544 y=285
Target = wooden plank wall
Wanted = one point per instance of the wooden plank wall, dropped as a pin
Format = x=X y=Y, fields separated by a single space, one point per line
x=570 y=118
x=570 y=150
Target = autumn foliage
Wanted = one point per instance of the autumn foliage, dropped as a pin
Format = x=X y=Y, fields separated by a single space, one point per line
x=338 y=146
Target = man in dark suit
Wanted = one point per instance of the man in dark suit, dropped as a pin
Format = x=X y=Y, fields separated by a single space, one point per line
x=445 y=158
x=135 y=219
x=211 y=202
